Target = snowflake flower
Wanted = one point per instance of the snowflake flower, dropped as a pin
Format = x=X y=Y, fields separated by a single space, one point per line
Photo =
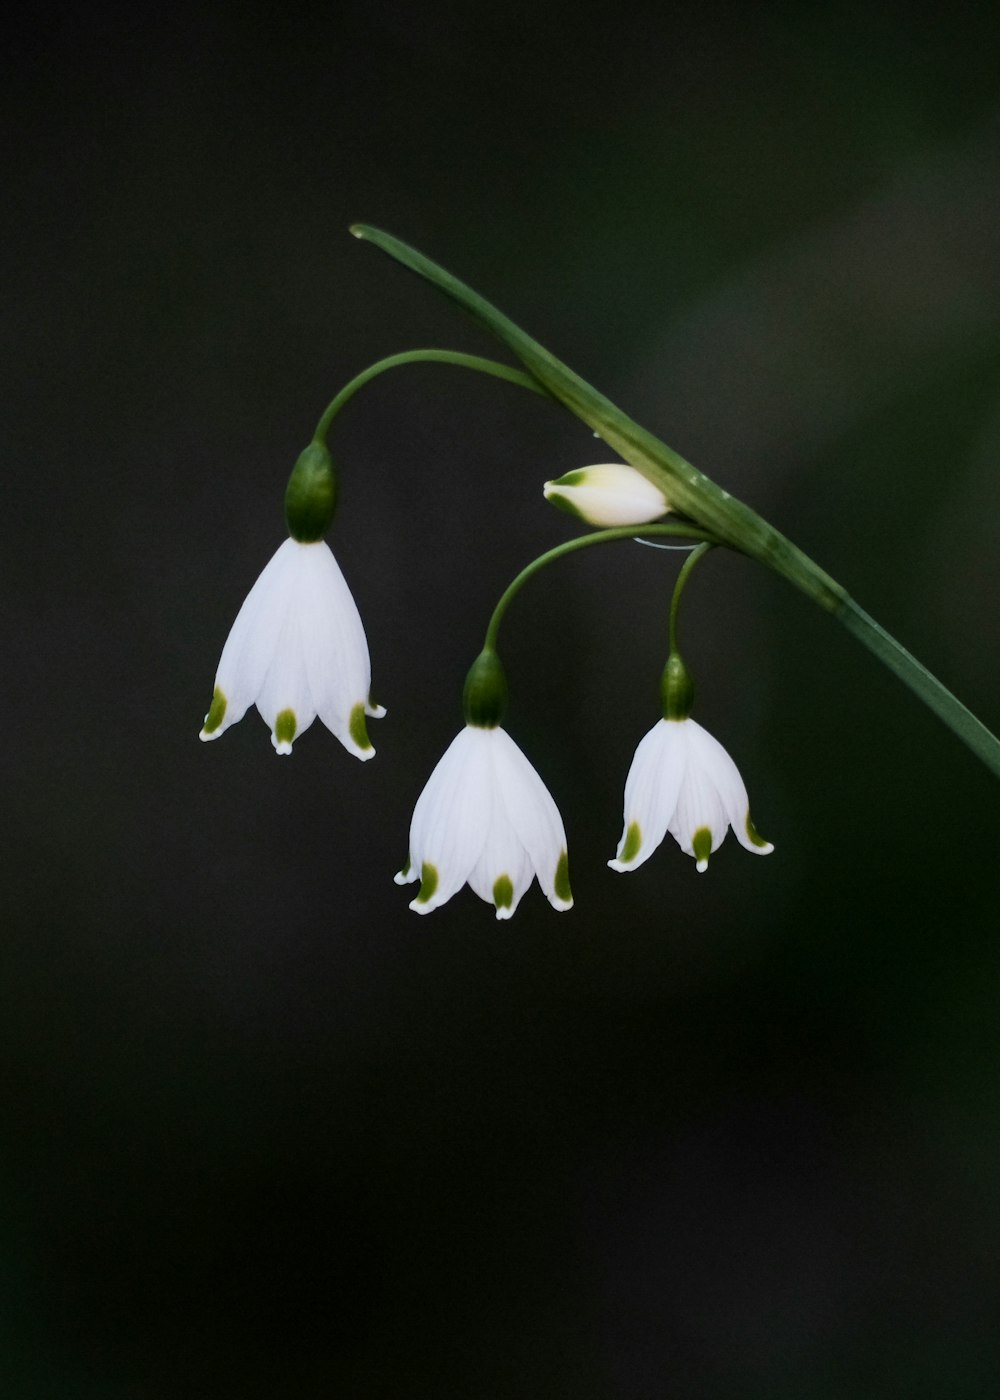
x=486 y=818
x=683 y=781
x=297 y=650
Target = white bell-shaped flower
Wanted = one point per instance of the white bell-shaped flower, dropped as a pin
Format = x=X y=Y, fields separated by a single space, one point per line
x=607 y=495
x=486 y=818
x=297 y=650
x=683 y=781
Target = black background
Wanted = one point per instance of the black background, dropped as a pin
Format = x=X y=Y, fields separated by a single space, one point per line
x=264 y=1132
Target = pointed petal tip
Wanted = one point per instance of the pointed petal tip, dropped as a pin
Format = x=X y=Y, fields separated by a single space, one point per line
x=425 y=900
x=503 y=896
x=754 y=842
x=213 y=725
x=375 y=711
x=357 y=739
x=286 y=726
x=702 y=847
x=562 y=896
x=629 y=846
x=206 y=737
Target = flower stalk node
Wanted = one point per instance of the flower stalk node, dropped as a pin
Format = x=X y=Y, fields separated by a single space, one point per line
x=311 y=495
x=484 y=699
x=676 y=688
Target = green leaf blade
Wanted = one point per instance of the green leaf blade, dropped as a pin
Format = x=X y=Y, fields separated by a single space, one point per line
x=696 y=496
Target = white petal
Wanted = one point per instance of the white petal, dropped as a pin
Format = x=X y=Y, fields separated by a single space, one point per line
x=253 y=637
x=534 y=816
x=731 y=789
x=451 y=819
x=503 y=871
x=652 y=788
x=699 y=804
x=285 y=699
x=335 y=649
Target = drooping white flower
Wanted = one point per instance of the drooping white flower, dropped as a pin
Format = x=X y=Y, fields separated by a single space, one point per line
x=607 y=495
x=683 y=781
x=297 y=649
x=486 y=818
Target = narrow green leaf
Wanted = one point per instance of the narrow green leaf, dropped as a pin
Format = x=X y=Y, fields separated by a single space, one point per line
x=693 y=494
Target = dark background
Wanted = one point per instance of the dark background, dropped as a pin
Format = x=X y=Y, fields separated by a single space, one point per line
x=264 y=1132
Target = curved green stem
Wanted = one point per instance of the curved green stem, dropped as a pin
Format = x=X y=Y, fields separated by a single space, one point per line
x=690 y=492
x=411 y=357
x=682 y=578
x=620 y=532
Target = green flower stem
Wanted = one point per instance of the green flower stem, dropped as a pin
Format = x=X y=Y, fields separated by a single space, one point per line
x=411 y=357
x=620 y=532
x=682 y=578
x=689 y=492
x=694 y=495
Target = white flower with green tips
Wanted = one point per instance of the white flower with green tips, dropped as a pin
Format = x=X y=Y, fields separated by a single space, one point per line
x=683 y=781
x=297 y=650
x=486 y=819
x=608 y=495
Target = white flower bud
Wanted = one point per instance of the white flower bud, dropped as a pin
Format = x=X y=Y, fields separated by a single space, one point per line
x=612 y=494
